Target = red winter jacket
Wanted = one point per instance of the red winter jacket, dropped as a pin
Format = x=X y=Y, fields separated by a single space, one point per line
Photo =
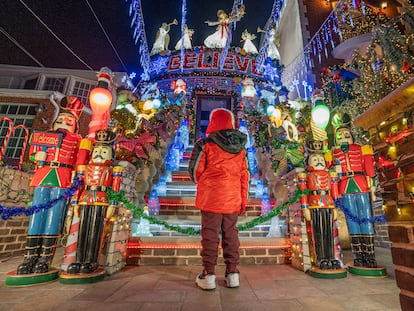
x=219 y=167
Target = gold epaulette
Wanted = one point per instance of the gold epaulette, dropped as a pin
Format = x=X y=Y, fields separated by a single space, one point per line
x=118 y=169
x=86 y=143
x=367 y=149
x=328 y=156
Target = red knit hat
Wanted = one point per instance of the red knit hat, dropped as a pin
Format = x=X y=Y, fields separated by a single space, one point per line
x=220 y=119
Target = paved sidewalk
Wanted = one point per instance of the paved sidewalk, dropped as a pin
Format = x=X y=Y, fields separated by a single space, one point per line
x=265 y=287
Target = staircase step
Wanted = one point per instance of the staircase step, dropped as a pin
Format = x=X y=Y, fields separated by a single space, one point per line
x=194 y=222
x=185 y=205
x=186 y=251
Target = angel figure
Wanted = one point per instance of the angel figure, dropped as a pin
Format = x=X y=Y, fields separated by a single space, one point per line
x=219 y=38
x=163 y=38
x=248 y=45
x=274 y=41
x=186 y=39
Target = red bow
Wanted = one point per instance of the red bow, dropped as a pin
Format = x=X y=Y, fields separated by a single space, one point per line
x=141 y=144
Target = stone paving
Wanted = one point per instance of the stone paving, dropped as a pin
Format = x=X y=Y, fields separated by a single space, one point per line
x=264 y=287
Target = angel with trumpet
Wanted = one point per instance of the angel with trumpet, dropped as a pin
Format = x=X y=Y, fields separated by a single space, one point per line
x=163 y=38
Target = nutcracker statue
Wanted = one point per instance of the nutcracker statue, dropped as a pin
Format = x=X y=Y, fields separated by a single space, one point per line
x=93 y=206
x=355 y=166
x=56 y=153
x=320 y=213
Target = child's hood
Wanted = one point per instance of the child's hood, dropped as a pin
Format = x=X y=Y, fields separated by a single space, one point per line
x=220 y=119
x=232 y=141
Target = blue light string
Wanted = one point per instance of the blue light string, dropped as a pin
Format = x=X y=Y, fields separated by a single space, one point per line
x=183 y=22
x=9 y=212
x=225 y=50
x=348 y=214
x=139 y=33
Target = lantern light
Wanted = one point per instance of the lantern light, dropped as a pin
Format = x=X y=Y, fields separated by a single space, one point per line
x=320 y=115
x=148 y=105
x=277 y=113
x=100 y=99
x=156 y=103
x=270 y=109
x=320 y=112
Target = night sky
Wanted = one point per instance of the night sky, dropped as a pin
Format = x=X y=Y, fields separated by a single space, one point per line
x=73 y=22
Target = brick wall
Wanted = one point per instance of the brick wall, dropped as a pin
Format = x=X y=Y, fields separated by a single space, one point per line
x=14 y=191
x=402 y=237
x=181 y=253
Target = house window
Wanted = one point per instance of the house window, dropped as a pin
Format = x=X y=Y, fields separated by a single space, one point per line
x=20 y=114
x=54 y=84
x=81 y=90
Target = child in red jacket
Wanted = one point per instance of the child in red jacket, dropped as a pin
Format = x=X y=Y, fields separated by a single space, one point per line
x=218 y=166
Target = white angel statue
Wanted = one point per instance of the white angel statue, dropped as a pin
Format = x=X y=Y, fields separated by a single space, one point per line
x=188 y=33
x=274 y=41
x=163 y=38
x=248 y=45
x=219 y=38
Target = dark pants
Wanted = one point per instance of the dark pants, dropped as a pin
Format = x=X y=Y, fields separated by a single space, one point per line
x=211 y=224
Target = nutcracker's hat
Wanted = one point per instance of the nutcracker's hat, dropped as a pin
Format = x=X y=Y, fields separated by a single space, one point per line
x=341 y=120
x=314 y=146
x=105 y=137
x=72 y=105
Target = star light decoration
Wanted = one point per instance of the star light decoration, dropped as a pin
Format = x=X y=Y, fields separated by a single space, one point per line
x=159 y=65
x=271 y=72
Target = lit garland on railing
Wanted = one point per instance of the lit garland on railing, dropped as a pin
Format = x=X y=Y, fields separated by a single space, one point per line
x=348 y=19
x=139 y=34
x=183 y=22
x=9 y=212
x=360 y=221
x=120 y=197
x=225 y=51
x=274 y=17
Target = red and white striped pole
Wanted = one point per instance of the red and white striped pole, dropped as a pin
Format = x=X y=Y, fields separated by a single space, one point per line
x=337 y=245
x=7 y=137
x=71 y=244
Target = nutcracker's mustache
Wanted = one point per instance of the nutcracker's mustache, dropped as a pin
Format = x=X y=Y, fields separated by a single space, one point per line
x=98 y=157
x=319 y=165
x=61 y=122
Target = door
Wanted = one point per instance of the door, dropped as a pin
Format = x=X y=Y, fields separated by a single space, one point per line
x=205 y=104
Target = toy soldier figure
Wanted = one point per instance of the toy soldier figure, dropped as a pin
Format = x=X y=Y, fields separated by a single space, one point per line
x=56 y=153
x=92 y=203
x=318 y=207
x=355 y=165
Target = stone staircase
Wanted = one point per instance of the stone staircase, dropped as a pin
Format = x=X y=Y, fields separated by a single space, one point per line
x=265 y=243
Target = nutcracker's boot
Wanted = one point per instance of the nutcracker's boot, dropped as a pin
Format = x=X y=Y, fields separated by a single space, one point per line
x=47 y=252
x=31 y=255
x=357 y=250
x=368 y=251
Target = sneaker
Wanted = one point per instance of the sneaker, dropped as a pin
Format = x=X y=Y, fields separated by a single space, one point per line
x=206 y=282
x=232 y=280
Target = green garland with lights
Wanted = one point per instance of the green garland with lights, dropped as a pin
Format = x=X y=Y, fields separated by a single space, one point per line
x=120 y=197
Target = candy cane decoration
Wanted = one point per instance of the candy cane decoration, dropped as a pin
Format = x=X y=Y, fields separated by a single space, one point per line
x=337 y=245
x=8 y=134
x=26 y=138
x=72 y=243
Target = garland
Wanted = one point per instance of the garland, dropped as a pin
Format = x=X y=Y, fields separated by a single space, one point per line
x=9 y=212
x=120 y=197
x=348 y=214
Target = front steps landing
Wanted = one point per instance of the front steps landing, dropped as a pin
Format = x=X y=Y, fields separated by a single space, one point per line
x=182 y=251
